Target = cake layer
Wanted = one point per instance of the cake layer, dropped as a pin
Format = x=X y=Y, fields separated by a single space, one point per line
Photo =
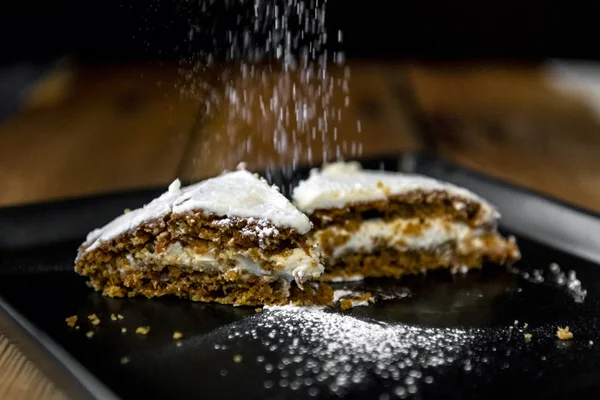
x=231 y=287
x=390 y=262
x=400 y=234
x=417 y=244
x=235 y=194
x=345 y=186
x=296 y=264
x=204 y=243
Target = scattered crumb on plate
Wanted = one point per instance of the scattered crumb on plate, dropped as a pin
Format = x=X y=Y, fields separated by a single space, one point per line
x=527 y=336
x=361 y=300
x=123 y=330
x=113 y=317
x=119 y=316
x=94 y=319
x=142 y=330
x=564 y=333
x=71 y=321
x=177 y=335
x=237 y=358
x=258 y=309
x=125 y=360
x=90 y=334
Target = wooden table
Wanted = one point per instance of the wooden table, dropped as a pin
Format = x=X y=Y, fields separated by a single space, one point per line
x=92 y=130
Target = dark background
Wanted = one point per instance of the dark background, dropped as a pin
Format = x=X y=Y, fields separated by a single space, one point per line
x=120 y=30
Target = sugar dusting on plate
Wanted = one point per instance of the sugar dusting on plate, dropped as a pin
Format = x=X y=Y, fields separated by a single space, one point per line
x=557 y=277
x=324 y=352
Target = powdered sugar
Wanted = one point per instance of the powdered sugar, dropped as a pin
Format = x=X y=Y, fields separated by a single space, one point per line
x=346 y=279
x=326 y=351
x=555 y=276
x=261 y=228
x=339 y=294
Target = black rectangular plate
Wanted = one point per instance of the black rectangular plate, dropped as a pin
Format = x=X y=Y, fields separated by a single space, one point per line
x=466 y=321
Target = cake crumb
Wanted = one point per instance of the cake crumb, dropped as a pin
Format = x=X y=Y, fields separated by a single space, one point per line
x=362 y=300
x=177 y=335
x=525 y=325
x=516 y=322
x=258 y=309
x=125 y=360
x=123 y=330
x=71 y=321
x=94 y=319
x=142 y=330
x=76 y=327
x=119 y=316
x=564 y=333
x=126 y=211
x=527 y=336
x=113 y=317
x=90 y=334
x=237 y=358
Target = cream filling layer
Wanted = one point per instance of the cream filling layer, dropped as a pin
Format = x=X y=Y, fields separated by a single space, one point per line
x=294 y=265
x=401 y=234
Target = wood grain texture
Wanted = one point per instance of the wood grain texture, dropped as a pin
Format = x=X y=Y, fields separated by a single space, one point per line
x=104 y=129
x=513 y=124
x=22 y=380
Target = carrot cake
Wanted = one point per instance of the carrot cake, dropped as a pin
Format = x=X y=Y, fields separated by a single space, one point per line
x=231 y=239
x=385 y=224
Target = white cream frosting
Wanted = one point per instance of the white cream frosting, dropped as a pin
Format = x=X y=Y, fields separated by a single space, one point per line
x=296 y=264
x=340 y=184
x=393 y=234
x=234 y=194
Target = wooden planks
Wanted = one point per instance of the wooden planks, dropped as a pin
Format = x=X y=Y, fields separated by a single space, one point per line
x=22 y=380
x=103 y=129
x=512 y=123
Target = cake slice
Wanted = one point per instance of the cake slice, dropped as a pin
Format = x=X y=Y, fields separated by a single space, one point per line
x=231 y=239
x=384 y=224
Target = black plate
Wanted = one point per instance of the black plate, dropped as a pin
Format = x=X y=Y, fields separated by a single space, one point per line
x=441 y=336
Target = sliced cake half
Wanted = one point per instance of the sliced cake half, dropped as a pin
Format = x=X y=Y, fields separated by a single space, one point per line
x=376 y=223
x=231 y=239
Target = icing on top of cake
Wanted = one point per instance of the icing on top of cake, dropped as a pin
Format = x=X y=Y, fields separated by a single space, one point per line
x=343 y=183
x=233 y=194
